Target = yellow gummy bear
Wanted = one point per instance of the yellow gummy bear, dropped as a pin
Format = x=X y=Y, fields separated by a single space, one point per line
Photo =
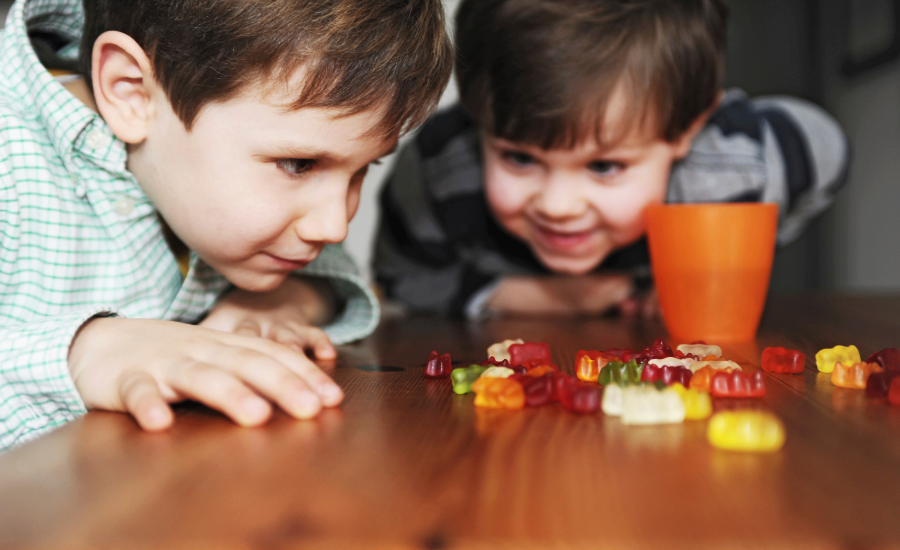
x=826 y=358
x=746 y=431
x=697 y=404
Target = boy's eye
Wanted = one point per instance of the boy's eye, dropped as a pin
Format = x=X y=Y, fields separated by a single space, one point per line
x=519 y=159
x=295 y=167
x=604 y=167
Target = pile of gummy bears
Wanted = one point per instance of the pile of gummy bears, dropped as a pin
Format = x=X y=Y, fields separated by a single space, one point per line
x=658 y=385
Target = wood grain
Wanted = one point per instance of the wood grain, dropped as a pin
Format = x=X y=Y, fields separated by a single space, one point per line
x=405 y=463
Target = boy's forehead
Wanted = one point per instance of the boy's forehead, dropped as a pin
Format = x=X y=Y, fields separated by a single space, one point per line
x=281 y=93
x=624 y=123
x=621 y=123
x=261 y=122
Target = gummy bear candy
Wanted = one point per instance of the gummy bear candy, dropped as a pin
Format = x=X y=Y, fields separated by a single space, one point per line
x=826 y=358
x=853 y=376
x=529 y=351
x=718 y=365
x=500 y=350
x=658 y=350
x=438 y=366
x=703 y=378
x=498 y=372
x=668 y=375
x=499 y=393
x=462 y=379
x=888 y=358
x=700 y=350
x=697 y=404
x=621 y=373
x=588 y=364
x=737 y=384
x=746 y=431
x=782 y=360
x=649 y=405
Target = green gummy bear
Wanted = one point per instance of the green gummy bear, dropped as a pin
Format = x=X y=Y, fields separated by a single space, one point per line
x=621 y=373
x=464 y=378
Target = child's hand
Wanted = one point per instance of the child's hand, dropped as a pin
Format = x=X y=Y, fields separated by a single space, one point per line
x=141 y=365
x=562 y=295
x=283 y=315
x=645 y=306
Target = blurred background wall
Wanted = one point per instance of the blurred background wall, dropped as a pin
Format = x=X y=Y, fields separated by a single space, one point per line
x=841 y=54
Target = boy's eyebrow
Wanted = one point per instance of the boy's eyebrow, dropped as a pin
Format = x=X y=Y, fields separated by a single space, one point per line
x=294 y=150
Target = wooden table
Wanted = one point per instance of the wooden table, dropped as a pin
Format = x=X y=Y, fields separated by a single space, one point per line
x=405 y=463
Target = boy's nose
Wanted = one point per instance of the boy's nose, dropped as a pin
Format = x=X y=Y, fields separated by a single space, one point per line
x=325 y=223
x=560 y=198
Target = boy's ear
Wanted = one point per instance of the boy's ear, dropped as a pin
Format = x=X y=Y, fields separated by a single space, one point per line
x=683 y=145
x=124 y=86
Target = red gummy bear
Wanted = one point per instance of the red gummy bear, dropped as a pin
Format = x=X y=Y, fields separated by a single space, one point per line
x=888 y=358
x=519 y=354
x=879 y=383
x=538 y=389
x=668 y=374
x=659 y=350
x=737 y=384
x=781 y=360
x=438 y=365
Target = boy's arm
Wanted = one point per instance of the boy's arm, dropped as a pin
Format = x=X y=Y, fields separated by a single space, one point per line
x=36 y=391
x=810 y=162
x=561 y=295
x=772 y=149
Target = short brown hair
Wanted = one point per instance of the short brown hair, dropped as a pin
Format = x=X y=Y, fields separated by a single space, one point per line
x=543 y=71
x=356 y=54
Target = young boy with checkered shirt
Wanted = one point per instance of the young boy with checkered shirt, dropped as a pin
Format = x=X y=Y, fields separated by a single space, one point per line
x=232 y=134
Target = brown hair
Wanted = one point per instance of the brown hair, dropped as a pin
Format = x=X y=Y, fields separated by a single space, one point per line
x=543 y=71
x=355 y=54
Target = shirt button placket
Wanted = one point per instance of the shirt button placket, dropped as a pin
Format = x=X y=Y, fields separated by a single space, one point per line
x=123 y=206
x=96 y=139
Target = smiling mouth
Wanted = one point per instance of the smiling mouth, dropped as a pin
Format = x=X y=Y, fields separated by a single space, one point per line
x=564 y=241
x=288 y=264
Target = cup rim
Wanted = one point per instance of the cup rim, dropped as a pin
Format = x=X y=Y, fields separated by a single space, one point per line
x=766 y=204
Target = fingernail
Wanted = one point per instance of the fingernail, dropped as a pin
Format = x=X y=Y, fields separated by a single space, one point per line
x=255 y=407
x=331 y=394
x=157 y=417
x=305 y=405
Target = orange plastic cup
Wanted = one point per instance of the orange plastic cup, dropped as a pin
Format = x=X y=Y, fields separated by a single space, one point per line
x=711 y=265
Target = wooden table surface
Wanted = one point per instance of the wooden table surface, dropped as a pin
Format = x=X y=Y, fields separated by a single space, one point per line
x=405 y=463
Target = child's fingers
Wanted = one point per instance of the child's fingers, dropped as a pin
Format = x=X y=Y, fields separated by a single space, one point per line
x=248 y=327
x=141 y=397
x=629 y=308
x=303 y=337
x=222 y=391
x=329 y=392
x=321 y=344
x=280 y=384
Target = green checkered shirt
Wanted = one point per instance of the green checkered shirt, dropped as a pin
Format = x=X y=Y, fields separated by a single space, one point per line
x=79 y=237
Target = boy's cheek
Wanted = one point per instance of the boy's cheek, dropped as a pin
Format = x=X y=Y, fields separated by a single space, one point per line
x=505 y=197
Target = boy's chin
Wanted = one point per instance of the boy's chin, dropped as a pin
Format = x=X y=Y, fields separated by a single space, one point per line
x=256 y=282
x=570 y=266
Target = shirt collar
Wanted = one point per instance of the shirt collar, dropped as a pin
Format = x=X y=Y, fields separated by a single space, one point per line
x=38 y=94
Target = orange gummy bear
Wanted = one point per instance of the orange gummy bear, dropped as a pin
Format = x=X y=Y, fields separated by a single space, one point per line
x=588 y=365
x=854 y=376
x=499 y=393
